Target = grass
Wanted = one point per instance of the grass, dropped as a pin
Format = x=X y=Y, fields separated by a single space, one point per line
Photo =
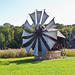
x=28 y=66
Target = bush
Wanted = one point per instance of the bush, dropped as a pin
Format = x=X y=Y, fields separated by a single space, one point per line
x=30 y=53
x=70 y=52
x=14 y=53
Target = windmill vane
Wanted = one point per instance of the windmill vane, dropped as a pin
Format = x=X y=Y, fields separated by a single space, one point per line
x=43 y=37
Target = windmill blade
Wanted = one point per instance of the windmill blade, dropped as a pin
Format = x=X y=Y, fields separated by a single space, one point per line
x=43 y=47
x=26 y=40
x=27 y=25
x=27 y=37
x=49 y=42
x=44 y=18
x=32 y=15
x=36 y=48
x=29 y=47
x=45 y=42
x=34 y=43
x=52 y=33
x=38 y=13
x=26 y=33
x=39 y=44
x=50 y=37
x=51 y=24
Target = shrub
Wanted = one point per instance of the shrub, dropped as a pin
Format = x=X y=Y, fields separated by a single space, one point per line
x=14 y=53
x=30 y=53
x=70 y=52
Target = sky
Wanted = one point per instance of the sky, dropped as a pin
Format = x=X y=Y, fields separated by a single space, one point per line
x=16 y=12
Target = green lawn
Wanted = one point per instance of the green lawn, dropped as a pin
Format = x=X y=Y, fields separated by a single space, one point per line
x=28 y=66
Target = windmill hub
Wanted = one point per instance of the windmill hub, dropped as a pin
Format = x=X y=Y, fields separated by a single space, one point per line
x=38 y=32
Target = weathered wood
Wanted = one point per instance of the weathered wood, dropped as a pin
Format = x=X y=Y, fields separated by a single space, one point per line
x=49 y=55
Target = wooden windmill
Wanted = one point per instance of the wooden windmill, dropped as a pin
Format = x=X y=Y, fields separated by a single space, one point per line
x=43 y=37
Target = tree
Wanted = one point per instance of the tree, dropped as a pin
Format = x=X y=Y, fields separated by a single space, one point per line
x=59 y=26
x=7 y=24
x=17 y=36
x=2 y=41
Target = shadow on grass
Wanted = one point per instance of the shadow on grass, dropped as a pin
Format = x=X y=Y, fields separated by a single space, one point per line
x=25 y=61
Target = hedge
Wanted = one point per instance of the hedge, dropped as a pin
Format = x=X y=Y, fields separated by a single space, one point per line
x=15 y=53
x=70 y=52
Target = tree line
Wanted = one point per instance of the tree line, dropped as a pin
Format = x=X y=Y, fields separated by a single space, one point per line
x=11 y=36
x=67 y=31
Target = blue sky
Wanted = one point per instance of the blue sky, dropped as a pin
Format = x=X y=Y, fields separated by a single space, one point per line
x=16 y=11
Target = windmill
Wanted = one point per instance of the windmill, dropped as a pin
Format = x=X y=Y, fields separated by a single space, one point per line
x=43 y=37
